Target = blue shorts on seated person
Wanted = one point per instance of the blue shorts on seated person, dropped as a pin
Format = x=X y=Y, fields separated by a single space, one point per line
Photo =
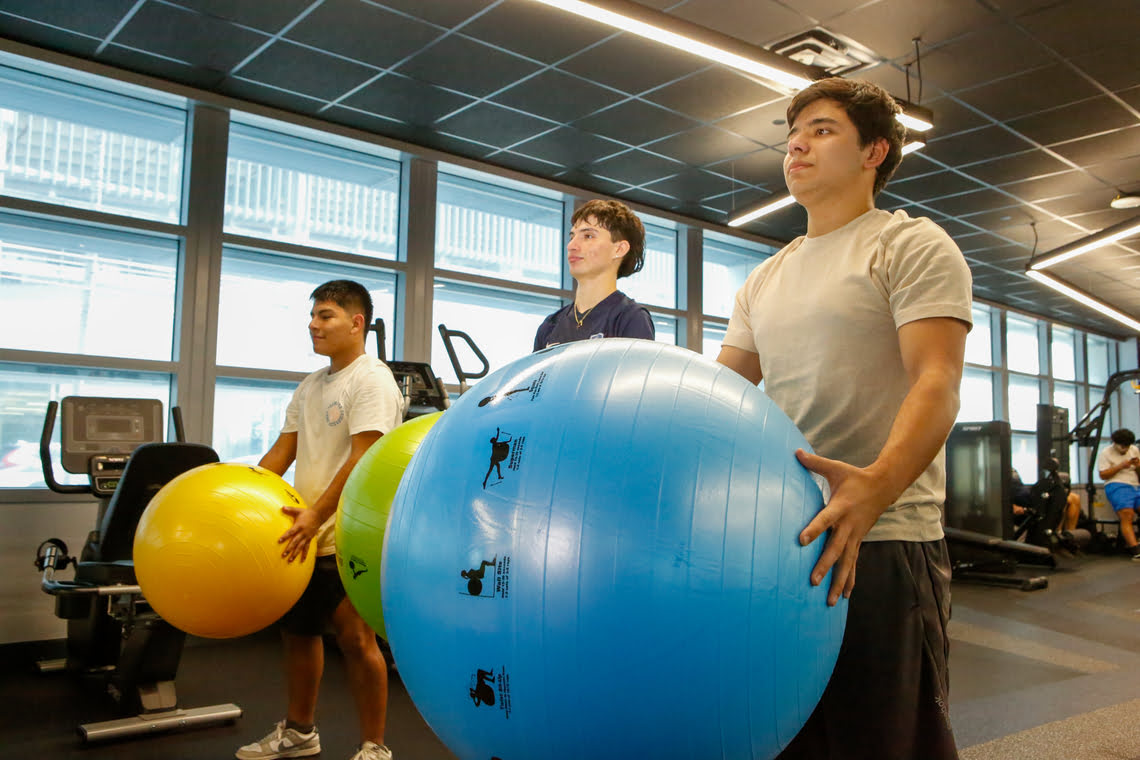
x=1122 y=496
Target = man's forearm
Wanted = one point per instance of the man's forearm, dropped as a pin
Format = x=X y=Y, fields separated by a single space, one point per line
x=919 y=430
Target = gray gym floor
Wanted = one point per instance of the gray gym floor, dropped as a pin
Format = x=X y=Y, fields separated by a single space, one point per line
x=1051 y=674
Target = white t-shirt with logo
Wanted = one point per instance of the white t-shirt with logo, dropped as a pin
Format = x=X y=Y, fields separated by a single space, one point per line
x=326 y=410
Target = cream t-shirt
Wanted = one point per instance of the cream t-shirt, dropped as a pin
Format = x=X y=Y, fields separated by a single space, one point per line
x=823 y=315
x=326 y=411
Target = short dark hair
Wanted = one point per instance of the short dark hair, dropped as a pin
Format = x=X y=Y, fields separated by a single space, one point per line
x=622 y=224
x=348 y=295
x=1123 y=437
x=871 y=109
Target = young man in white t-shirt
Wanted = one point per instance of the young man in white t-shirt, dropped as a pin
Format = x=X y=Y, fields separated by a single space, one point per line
x=335 y=415
x=858 y=330
x=1118 y=465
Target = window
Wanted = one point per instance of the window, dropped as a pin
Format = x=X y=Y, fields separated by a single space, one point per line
x=263 y=311
x=711 y=340
x=1024 y=457
x=248 y=416
x=24 y=395
x=1024 y=395
x=82 y=290
x=726 y=267
x=656 y=283
x=483 y=228
x=1021 y=344
x=1064 y=353
x=979 y=341
x=664 y=329
x=309 y=193
x=977 y=396
x=500 y=322
x=1098 y=357
x=79 y=146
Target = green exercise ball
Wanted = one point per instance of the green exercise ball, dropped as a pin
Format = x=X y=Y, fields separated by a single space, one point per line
x=362 y=514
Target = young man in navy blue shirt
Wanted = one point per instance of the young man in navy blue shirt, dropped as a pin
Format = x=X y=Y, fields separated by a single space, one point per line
x=607 y=241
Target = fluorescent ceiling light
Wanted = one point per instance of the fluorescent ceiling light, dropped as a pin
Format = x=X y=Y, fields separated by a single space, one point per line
x=915 y=117
x=1105 y=237
x=764 y=210
x=1081 y=297
x=912 y=146
x=682 y=35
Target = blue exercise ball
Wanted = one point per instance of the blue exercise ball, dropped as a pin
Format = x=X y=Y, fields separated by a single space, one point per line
x=594 y=554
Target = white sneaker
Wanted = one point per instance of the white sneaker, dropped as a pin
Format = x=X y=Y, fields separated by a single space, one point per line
x=373 y=751
x=282 y=742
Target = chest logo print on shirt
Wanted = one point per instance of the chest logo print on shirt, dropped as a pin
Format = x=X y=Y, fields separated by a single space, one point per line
x=334 y=414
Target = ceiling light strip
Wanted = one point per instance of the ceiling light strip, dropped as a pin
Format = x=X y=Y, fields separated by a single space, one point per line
x=1105 y=237
x=1081 y=297
x=764 y=210
x=652 y=25
x=912 y=146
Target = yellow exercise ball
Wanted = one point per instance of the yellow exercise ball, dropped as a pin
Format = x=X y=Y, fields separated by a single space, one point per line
x=206 y=552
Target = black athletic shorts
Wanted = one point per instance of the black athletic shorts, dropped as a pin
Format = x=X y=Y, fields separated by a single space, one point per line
x=312 y=614
x=888 y=696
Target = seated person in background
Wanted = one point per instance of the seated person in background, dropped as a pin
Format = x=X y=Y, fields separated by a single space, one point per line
x=1023 y=500
x=1117 y=465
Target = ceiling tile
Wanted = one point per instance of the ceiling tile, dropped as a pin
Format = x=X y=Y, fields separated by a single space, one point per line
x=1072 y=206
x=361 y=31
x=952 y=116
x=757 y=22
x=632 y=64
x=1124 y=174
x=693 y=185
x=443 y=12
x=914 y=165
x=174 y=71
x=1073 y=28
x=636 y=167
x=1016 y=168
x=493 y=125
x=933 y=186
x=569 y=147
x=535 y=30
x=1038 y=90
x=765 y=124
x=761 y=167
x=521 y=163
x=970 y=203
x=306 y=71
x=887 y=27
x=1053 y=186
x=558 y=96
x=460 y=64
x=256 y=92
x=1075 y=120
x=32 y=33
x=978 y=145
x=636 y=122
x=268 y=17
x=406 y=99
x=1113 y=67
x=991 y=52
x=1121 y=144
x=712 y=94
x=95 y=19
x=703 y=145
x=189 y=36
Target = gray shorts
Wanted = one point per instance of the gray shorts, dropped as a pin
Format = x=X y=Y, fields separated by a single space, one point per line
x=888 y=698
x=312 y=614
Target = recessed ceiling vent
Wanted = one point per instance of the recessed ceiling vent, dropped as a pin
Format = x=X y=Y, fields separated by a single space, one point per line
x=819 y=47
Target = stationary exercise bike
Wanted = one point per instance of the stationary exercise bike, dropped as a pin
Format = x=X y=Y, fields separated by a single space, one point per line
x=114 y=639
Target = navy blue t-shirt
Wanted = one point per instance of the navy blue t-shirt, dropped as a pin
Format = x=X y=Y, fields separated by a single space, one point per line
x=616 y=316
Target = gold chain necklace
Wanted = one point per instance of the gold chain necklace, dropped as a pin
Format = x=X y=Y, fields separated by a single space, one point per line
x=582 y=318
